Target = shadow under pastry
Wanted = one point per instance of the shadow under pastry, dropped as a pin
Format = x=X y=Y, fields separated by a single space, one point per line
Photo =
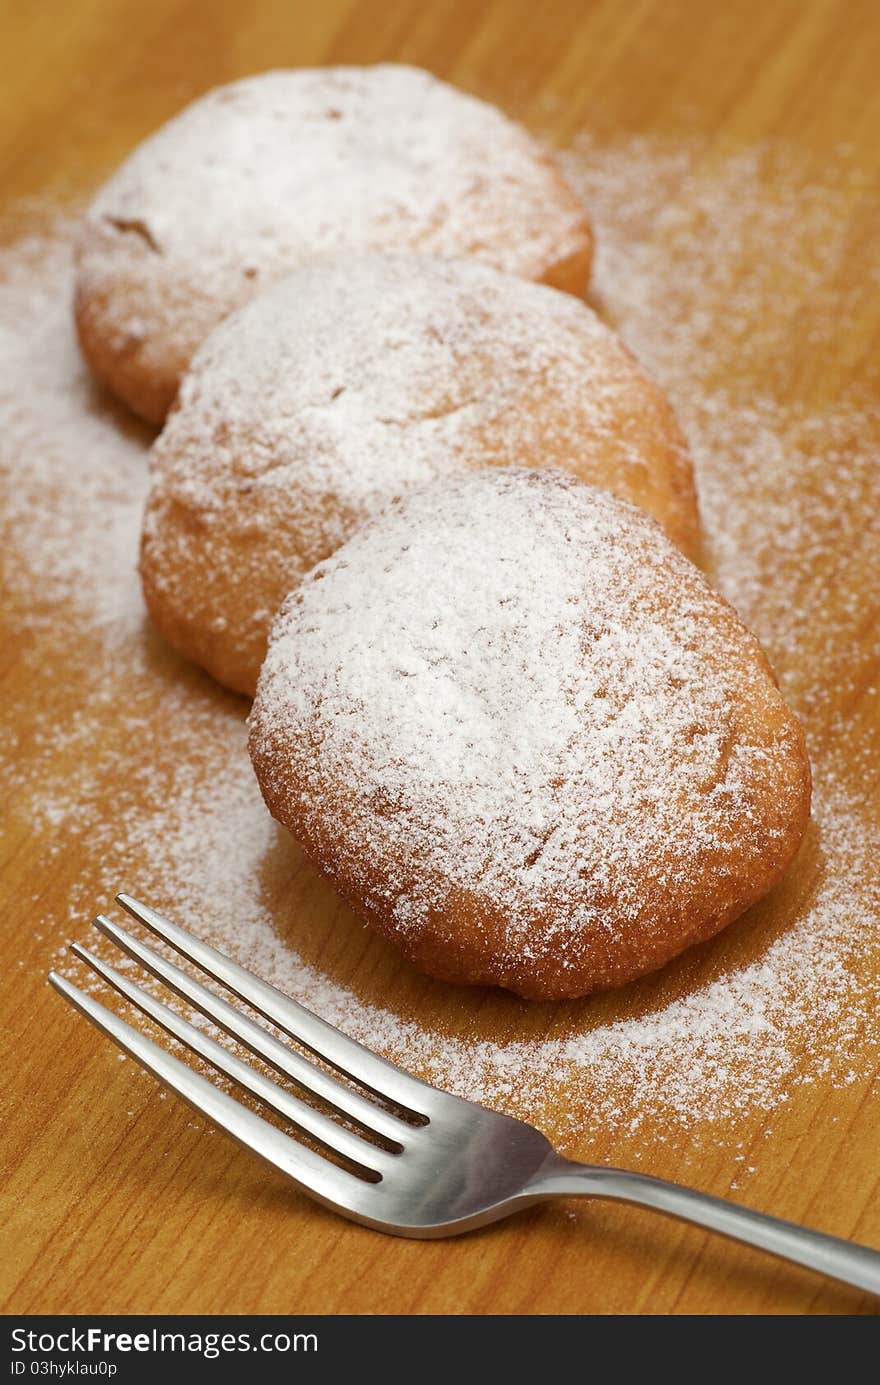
x=328 y=936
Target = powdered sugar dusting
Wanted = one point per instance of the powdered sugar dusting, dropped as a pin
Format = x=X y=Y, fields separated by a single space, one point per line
x=279 y=169
x=510 y=689
x=352 y=382
x=256 y=176
x=784 y=997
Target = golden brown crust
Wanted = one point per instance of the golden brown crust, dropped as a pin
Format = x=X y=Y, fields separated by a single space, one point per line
x=147 y=387
x=569 y=272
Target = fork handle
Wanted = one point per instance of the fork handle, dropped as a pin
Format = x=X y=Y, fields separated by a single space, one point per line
x=842 y=1260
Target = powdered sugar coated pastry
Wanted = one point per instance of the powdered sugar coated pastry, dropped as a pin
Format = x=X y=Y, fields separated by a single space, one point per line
x=349 y=383
x=526 y=739
x=258 y=177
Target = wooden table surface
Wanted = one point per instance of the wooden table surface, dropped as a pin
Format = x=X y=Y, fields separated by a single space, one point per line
x=115 y=1200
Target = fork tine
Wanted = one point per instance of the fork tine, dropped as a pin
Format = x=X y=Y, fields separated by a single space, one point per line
x=257 y=1039
x=316 y=1176
x=335 y=1048
x=304 y=1117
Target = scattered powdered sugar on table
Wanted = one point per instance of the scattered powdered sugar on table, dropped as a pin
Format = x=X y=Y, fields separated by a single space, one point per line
x=743 y=1041
x=187 y=827
x=74 y=473
x=712 y=266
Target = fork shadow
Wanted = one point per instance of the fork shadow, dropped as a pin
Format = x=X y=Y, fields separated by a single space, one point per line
x=327 y=935
x=569 y=1230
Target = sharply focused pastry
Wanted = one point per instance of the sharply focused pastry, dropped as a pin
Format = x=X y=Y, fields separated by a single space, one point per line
x=259 y=177
x=525 y=738
x=348 y=384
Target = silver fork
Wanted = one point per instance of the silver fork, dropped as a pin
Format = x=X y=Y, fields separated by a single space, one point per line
x=409 y=1160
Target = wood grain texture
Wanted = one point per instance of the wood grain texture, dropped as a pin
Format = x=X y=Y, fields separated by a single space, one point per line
x=117 y=1201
